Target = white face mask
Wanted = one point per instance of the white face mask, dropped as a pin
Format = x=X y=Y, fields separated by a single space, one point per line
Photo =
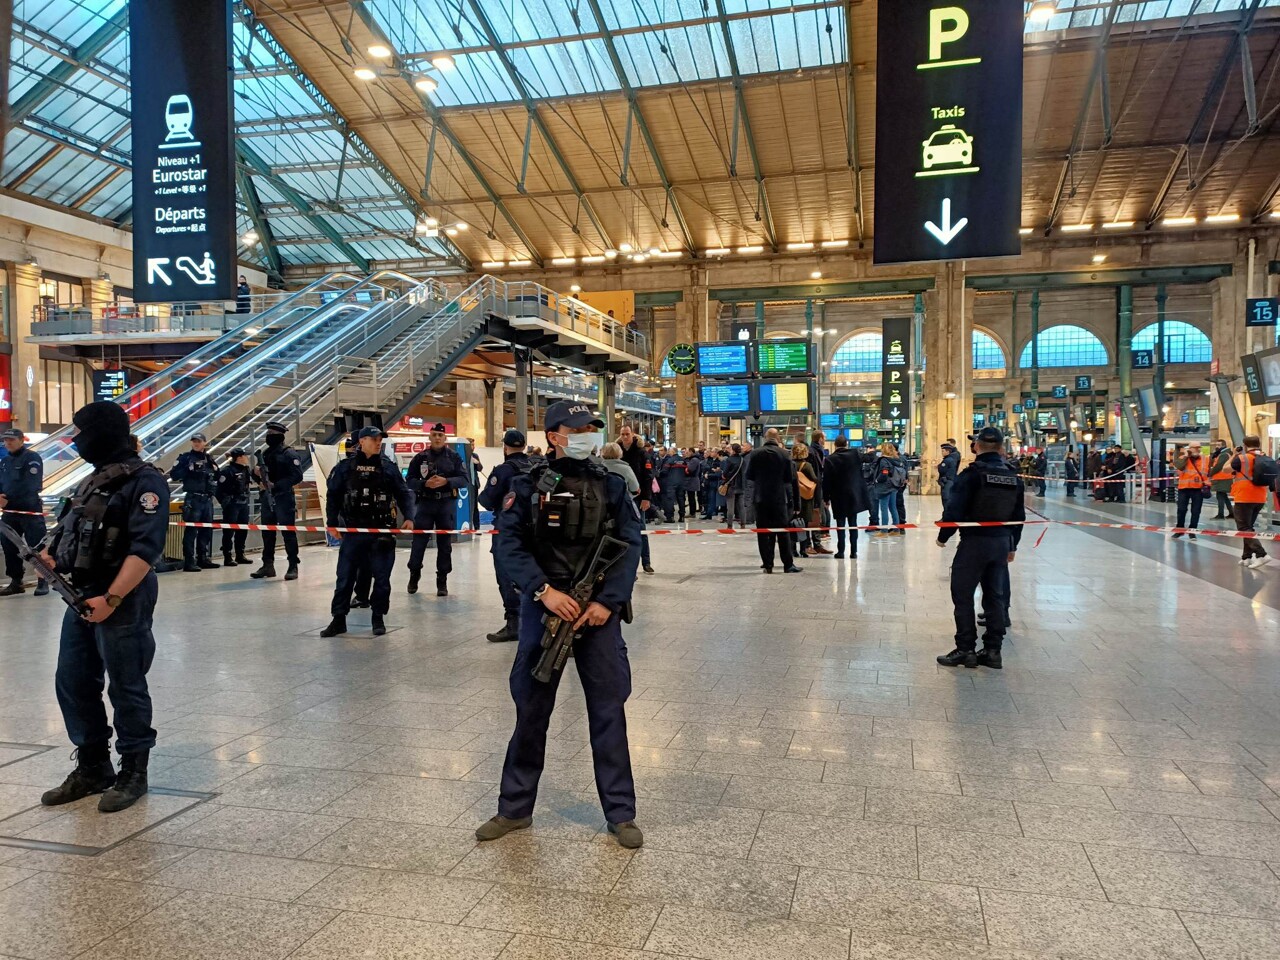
x=579 y=446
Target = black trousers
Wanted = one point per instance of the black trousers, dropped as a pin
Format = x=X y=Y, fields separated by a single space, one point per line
x=771 y=514
x=980 y=561
x=375 y=552
x=1246 y=515
x=691 y=497
x=284 y=511
x=197 y=542
x=842 y=520
x=441 y=514
x=234 y=511
x=1224 y=504
x=1195 y=498
x=507 y=590
x=30 y=529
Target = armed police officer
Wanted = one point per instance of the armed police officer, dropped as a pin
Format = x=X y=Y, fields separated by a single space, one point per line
x=435 y=477
x=365 y=490
x=550 y=527
x=197 y=471
x=988 y=490
x=21 y=478
x=279 y=470
x=515 y=464
x=232 y=490
x=108 y=536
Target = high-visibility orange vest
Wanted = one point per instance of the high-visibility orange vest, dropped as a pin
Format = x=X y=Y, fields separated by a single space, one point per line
x=1194 y=475
x=1225 y=473
x=1244 y=490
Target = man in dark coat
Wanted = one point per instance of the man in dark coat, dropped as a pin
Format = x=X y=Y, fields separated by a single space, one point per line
x=773 y=484
x=846 y=490
x=948 y=467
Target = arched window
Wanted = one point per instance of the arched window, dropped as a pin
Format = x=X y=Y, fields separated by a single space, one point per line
x=987 y=354
x=1065 y=346
x=1183 y=343
x=861 y=353
x=666 y=373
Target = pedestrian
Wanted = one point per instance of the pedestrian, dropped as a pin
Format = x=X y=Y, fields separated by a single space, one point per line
x=1040 y=467
x=773 y=486
x=366 y=490
x=846 y=489
x=363 y=575
x=807 y=485
x=197 y=471
x=817 y=459
x=232 y=487
x=639 y=457
x=551 y=524
x=712 y=476
x=1255 y=475
x=1071 y=470
x=890 y=475
x=244 y=296
x=948 y=467
x=21 y=479
x=516 y=463
x=671 y=474
x=1193 y=484
x=1221 y=478
x=109 y=535
x=692 y=482
x=988 y=490
x=278 y=471
x=435 y=476
x=735 y=510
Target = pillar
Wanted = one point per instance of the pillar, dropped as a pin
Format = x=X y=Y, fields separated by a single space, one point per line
x=693 y=323
x=1162 y=298
x=470 y=418
x=1228 y=333
x=948 y=355
x=24 y=294
x=522 y=389
x=1035 y=344
x=493 y=412
x=607 y=398
x=1124 y=339
x=98 y=293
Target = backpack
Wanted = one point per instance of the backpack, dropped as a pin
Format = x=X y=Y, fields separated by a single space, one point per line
x=1265 y=473
x=898 y=476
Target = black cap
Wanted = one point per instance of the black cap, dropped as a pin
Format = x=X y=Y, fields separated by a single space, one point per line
x=948 y=446
x=200 y=436
x=13 y=434
x=275 y=426
x=563 y=413
x=513 y=438
x=369 y=432
x=237 y=452
x=438 y=428
x=988 y=435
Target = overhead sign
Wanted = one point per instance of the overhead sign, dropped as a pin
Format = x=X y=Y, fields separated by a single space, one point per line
x=1262 y=311
x=110 y=384
x=1143 y=359
x=1060 y=393
x=1017 y=408
x=784 y=396
x=742 y=330
x=727 y=359
x=715 y=399
x=1084 y=383
x=1030 y=403
x=949 y=129
x=1253 y=378
x=789 y=358
x=895 y=385
x=184 y=210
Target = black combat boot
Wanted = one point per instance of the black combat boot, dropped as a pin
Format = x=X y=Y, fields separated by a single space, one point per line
x=191 y=567
x=228 y=560
x=13 y=588
x=206 y=563
x=510 y=631
x=93 y=774
x=242 y=560
x=130 y=785
x=292 y=572
x=414 y=576
x=442 y=586
x=337 y=626
x=360 y=603
x=42 y=588
x=379 y=626
x=264 y=572
x=990 y=657
x=959 y=658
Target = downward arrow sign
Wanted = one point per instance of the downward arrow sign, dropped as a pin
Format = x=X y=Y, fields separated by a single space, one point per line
x=894 y=412
x=947 y=232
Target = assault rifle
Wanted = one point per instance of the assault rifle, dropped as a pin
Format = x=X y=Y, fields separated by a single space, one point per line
x=266 y=499
x=559 y=634
x=60 y=584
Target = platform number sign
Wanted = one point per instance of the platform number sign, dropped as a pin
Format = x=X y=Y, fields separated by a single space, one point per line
x=1059 y=393
x=1143 y=359
x=1262 y=311
x=1084 y=383
x=1017 y=408
x=1030 y=403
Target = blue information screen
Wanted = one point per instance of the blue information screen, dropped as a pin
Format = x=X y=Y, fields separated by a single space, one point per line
x=829 y=420
x=715 y=399
x=783 y=397
x=727 y=359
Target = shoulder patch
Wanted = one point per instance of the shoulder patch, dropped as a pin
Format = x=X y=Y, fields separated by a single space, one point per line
x=149 y=501
x=35 y=468
x=297 y=462
x=509 y=501
x=493 y=481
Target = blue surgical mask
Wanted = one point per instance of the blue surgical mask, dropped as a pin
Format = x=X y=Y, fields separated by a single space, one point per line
x=579 y=446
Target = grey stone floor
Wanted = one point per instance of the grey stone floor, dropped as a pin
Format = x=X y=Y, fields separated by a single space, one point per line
x=812 y=785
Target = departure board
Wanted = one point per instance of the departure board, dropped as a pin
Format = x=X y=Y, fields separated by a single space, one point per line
x=724 y=399
x=785 y=397
x=783 y=358
x=726 y=359
x=829 y=420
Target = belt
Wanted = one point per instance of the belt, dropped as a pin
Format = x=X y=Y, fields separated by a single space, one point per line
x=205 y=495
x=436 y=495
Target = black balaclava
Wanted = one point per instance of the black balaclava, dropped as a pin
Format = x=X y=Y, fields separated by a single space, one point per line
x=104 y=433
x=275 y=439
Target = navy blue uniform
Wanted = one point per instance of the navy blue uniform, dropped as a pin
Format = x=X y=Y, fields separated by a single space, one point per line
x=198 y=474
x=491 y=498
x=21 y=479
x=435 y=509
x=133 y=522
x=282 y=466
x=988 y=489
x=366 y=492
x=232 y=490
x=533 y=555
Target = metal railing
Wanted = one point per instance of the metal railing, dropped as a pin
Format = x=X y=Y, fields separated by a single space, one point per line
x=526 y=298
x=113 y=318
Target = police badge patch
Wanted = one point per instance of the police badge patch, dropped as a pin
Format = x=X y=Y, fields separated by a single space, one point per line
x=149 y=502
x=509 y=501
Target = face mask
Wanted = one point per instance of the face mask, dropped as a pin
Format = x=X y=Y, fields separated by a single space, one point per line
x=579 y=446
x=275 y=439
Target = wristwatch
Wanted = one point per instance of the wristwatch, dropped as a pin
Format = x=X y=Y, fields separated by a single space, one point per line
x=537 y=594
x=113 y=601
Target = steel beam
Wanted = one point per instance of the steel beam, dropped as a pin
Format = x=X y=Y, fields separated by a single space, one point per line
x=762 y=195
x=339 y=123
x=260 y=167
x=34 y=167
x=629 y=91
x=1207 y=107
x=361 y=10
x=1099 y=278
x=851 y=122
x=822 y=290
x=266 y=239
x=57 y=78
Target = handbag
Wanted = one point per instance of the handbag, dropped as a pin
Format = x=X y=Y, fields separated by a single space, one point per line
x=723 y=489
x=807 y=487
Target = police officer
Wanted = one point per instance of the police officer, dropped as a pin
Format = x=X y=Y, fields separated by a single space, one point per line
x=515 y=464
x=197 y=471
x=21 y=478
x=108 y=536
x=232 y=490
x=989 y=489
x=549 y=526
x=363 y=575
x=364 y=491
x=435 y=477
x=279 y=470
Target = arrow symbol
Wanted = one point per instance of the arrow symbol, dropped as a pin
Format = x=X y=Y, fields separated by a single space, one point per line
x=948 y=231
x=155 y=268
x=894 y=412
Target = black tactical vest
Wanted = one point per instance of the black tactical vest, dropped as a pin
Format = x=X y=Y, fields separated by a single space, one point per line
x=369 y=500
x=569 y=519
x=93 y=532
x=994 y=495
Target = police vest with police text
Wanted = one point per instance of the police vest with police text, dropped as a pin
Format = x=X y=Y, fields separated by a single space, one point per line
x=994 y=497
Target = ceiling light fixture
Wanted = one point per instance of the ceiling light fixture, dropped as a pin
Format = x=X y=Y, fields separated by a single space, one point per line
x=450 y=231
x=750 y=250
x=593 y=259
x=834 y=244
x=1076 y=227
x=1041 y=11
x=1177 y=221
x=625 y=247
x=563 y=262
x=366 y=74
x=1118 y=225
x=379 y=51
x=1025 y=231
x=250 y=238
x=425 y=85
x=1099 y=258
x=461 y=227
x=611 y=254
x=670 y=254
x=816 y=275
x=442 y=62
x=575 y=288
x=717 y=252
x=492 y=264
x=799 y=246
x=1222 y=218
x=519 y=263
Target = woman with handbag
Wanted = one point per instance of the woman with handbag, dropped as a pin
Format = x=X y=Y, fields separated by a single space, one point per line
x=807 y=483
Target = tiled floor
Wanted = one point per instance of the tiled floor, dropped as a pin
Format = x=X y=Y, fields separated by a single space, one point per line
x=812 y=785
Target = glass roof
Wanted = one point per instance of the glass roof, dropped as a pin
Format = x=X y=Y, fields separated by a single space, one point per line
x=1074 y=14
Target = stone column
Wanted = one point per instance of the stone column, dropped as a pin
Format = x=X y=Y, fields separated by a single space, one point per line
x=97 y=294
x=948 y=356
x=470 y=417
x=1229 y=336
x=693 y=319
x=493 y=411
x=24 y=297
